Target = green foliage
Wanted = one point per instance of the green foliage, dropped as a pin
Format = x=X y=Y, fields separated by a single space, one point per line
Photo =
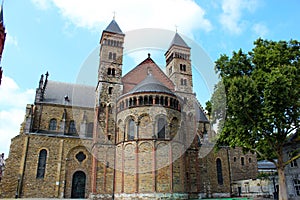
x=261 y=89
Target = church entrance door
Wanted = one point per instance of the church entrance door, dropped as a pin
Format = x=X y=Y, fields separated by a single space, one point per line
x=78 y=185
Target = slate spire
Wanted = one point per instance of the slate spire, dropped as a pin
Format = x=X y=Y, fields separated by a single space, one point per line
x=113 y=27
x=178 y=41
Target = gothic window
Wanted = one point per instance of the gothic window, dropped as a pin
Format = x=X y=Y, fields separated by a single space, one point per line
x=110 y=55
x=297 y=186
x=72 y=127
x=242 y=161
x=52 y=125
x=113 y=72
x=219 y=171
x=180 y=67
x=90 y=128
x=184 y=82
x=114 y=56
x=131 y=129
x=41 y=164
x=184 y=68
x=161 y=128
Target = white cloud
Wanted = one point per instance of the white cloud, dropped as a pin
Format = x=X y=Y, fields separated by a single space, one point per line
x=12 y=110
x=11 y=40
x=260 y=29
x=233 y=10
x=41 y=4
x=135 y=14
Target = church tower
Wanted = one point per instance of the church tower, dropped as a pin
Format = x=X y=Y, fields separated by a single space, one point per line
x=109 y=86
x=108 y=89
x=178 y=63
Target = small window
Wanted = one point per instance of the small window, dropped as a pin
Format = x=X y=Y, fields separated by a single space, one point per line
x=170 y=70
x=114 y=56
x=184 y=82
x=181 y=81
x=219 y=171
x=110 y=55
x=113 y=72
x=109 y=71
x=242 y=161
x=110 y=90
x=90 y=128
x=52 y=125
x=250 y=160
x=234 y=159
x=72 y=127
x=297 y=186
x=184 y=68
x=294 y=163
x=41 y=164
x=131 y=129
x=161 y=128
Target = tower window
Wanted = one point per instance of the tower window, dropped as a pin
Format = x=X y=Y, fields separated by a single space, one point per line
x=110 y=55
x=184 y=82
x=182 y=67
x=219 y=171
x=41 y=164
x=72 y=127
x=113 y=72
x=110 y=89
x=170 y=70
x=109 y=71
x=52 y=125
x=114 y=56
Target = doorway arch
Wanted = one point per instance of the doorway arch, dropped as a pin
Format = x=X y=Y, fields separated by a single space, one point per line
x=78 y=185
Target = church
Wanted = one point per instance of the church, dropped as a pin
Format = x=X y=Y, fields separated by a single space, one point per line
x=141 y=135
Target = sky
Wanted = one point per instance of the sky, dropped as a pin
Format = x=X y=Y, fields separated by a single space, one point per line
x=60 y=36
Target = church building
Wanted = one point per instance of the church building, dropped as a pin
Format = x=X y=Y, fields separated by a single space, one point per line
x=140 y=135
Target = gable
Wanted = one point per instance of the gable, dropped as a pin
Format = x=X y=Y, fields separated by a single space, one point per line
x=140 y=72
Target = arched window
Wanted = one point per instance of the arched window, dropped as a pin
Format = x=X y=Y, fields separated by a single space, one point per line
x=114 y=56
x=90 y=128
x=72 y=127
x=41 y=164
x=219 y=171
x=113 y=72
x=131 y=129
x=110 y=55
x=242 y=161
x=161 y=128
x=52 y=125
x=110 y=90
x=141 y=100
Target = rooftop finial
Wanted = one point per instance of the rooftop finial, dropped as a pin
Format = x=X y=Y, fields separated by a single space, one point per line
x=176 y=27
x=149 y=55
x=114 y=17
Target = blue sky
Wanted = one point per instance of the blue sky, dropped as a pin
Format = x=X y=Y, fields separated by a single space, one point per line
x=59 y=35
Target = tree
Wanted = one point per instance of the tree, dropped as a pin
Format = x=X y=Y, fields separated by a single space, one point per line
x=262 y=90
